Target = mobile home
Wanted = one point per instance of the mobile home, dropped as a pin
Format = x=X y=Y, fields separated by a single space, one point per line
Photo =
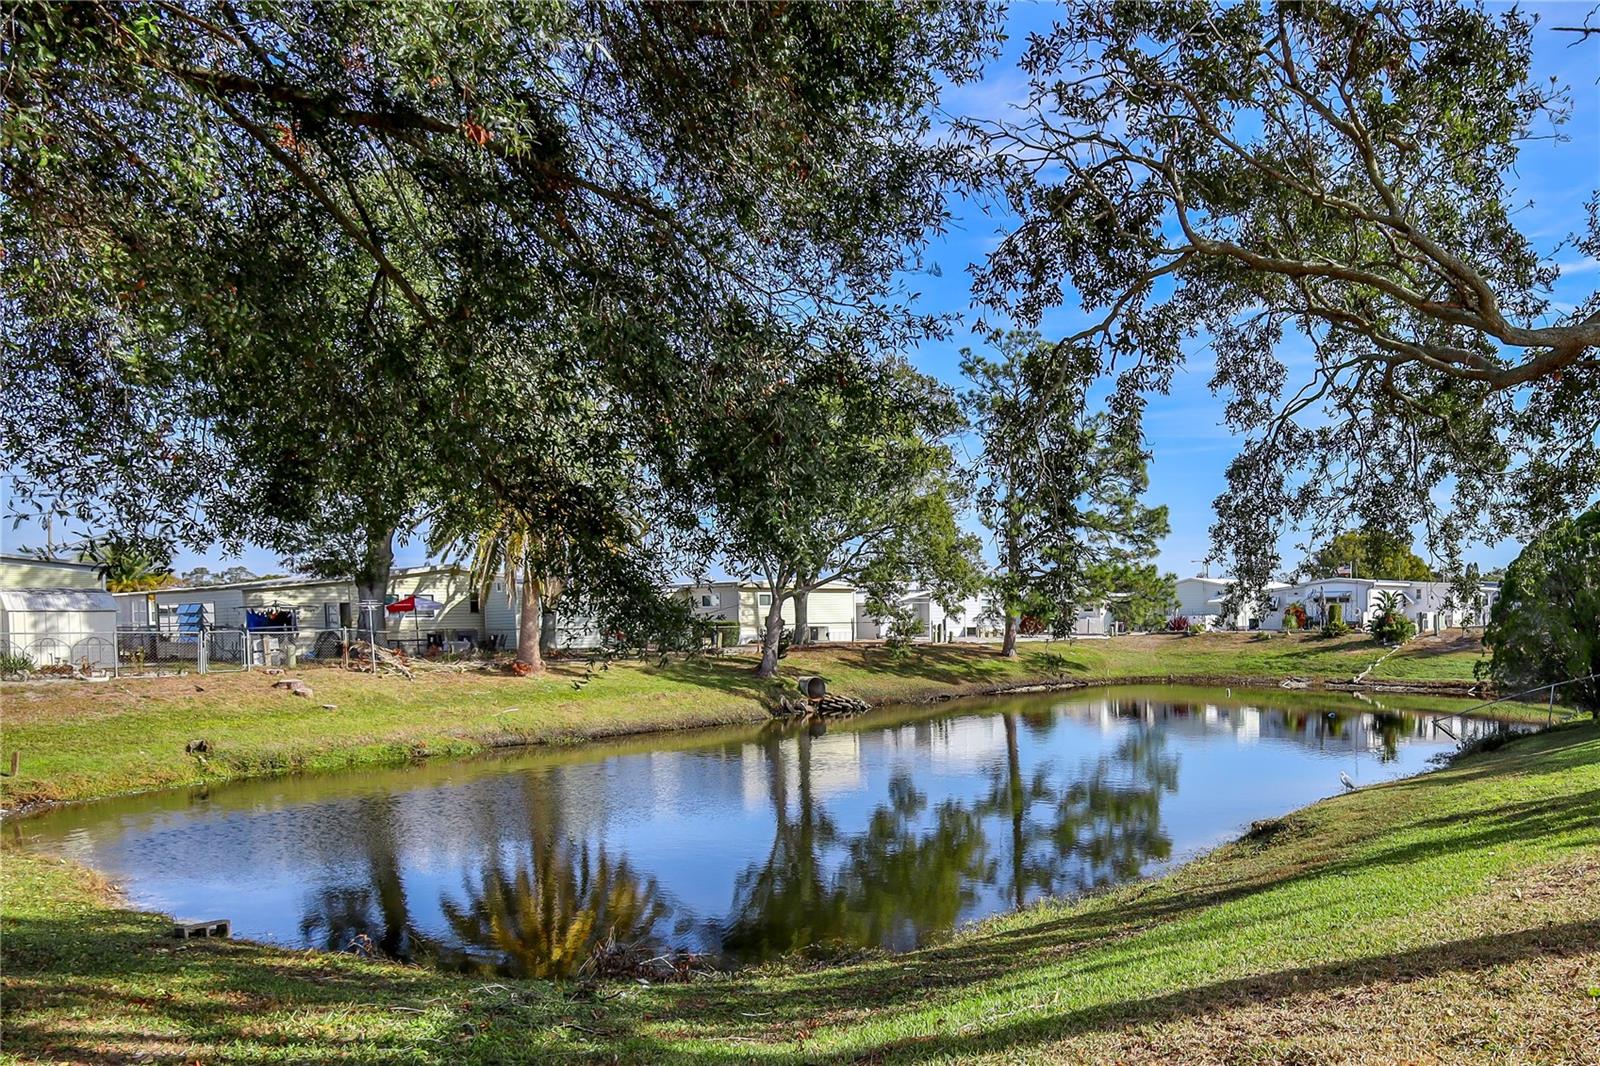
x=830 y=609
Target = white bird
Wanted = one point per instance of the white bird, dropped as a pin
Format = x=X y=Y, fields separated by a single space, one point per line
x=1344 y=779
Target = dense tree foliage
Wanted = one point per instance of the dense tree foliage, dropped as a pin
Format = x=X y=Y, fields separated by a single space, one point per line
x=283 y=272
x=1368 y=553
x=841 y=471
x=1059 y=489
x=1343 y=170
x=1141 y=596
x=1545 y=627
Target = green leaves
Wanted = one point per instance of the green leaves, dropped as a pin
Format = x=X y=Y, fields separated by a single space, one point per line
x=1060 y=489
x=344 y=261
x=1205 y=179
x=1545 y=625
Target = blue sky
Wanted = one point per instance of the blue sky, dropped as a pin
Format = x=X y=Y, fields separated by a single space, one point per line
x=1190 y=449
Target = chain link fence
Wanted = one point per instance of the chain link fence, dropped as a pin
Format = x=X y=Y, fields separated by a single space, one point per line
x=137 y=650
x=58 y=654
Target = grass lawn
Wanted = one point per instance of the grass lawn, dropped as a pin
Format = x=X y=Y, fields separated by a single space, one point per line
x=1451 y=917
x=81 y=740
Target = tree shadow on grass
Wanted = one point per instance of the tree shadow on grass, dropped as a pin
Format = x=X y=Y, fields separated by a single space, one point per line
x=150 y=996
x=1476 y=954
x=905 y=984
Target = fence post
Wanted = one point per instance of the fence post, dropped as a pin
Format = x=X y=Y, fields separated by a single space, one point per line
x=1550 y=715
x=201 y=651
x=244 y=649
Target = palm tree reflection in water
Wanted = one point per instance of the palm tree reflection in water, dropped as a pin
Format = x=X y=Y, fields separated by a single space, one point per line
x=547 y=917
x=542 y=916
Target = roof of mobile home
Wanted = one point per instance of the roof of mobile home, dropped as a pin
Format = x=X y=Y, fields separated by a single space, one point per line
x=287 y=582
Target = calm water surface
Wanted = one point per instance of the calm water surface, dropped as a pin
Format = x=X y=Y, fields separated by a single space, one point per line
x=887 y=831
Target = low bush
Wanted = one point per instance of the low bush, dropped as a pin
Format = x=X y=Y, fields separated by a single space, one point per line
x=14 y=666
x=1392 y=629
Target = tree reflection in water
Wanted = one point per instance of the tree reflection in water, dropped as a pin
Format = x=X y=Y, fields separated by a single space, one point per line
x=903 y=869
x=340 y=916
x=909 y=876
x=547 y=916
x=1097 y=824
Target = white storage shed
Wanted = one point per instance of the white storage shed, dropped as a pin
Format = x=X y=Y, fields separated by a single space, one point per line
x=56 y=613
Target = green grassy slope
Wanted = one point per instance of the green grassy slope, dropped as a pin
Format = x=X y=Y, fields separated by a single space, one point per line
x=1447 y=918
x=82 y=740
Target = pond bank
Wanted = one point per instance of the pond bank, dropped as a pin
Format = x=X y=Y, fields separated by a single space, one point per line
x=1303 y=941
x=81 y=742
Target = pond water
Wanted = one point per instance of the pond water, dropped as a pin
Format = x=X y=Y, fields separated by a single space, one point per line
x=887 y=831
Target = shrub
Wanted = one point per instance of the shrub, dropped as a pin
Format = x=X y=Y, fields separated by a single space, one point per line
x=1294 y=616
x=1389 y=624
x=1545 y=627
x=1178 y=623
x=1334 y=625
x=727 y=633
x=14 y=666
x=903 y=631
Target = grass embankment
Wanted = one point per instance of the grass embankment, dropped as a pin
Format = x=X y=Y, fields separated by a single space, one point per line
x=1446 y=918
x=86 y=740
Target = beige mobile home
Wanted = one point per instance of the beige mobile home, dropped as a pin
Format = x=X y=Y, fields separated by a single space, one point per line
x=311 y=603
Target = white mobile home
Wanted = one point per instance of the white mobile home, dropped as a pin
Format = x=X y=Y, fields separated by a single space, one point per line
x=975 y=618
x=1200 y=599
x=830 y=609
x=969 y=620
x=1431 y=605
x=56 y=613
x=502 y=621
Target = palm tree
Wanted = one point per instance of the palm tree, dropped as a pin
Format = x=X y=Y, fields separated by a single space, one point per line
x=126 y=566
x=510 y=545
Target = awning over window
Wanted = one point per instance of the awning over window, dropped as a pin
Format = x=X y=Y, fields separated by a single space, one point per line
x=57 y=600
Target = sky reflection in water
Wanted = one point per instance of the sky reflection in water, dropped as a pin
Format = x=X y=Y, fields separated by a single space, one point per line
x=887 y=832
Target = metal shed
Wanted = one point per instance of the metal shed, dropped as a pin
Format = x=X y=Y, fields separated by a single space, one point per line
x=56 y=626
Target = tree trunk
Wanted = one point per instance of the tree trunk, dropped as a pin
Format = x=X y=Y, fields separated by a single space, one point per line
x=530 y=627
x=802 y=631
x=1013 y=553
x=372 y=582
x=770 y=636
x=1008 y=647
